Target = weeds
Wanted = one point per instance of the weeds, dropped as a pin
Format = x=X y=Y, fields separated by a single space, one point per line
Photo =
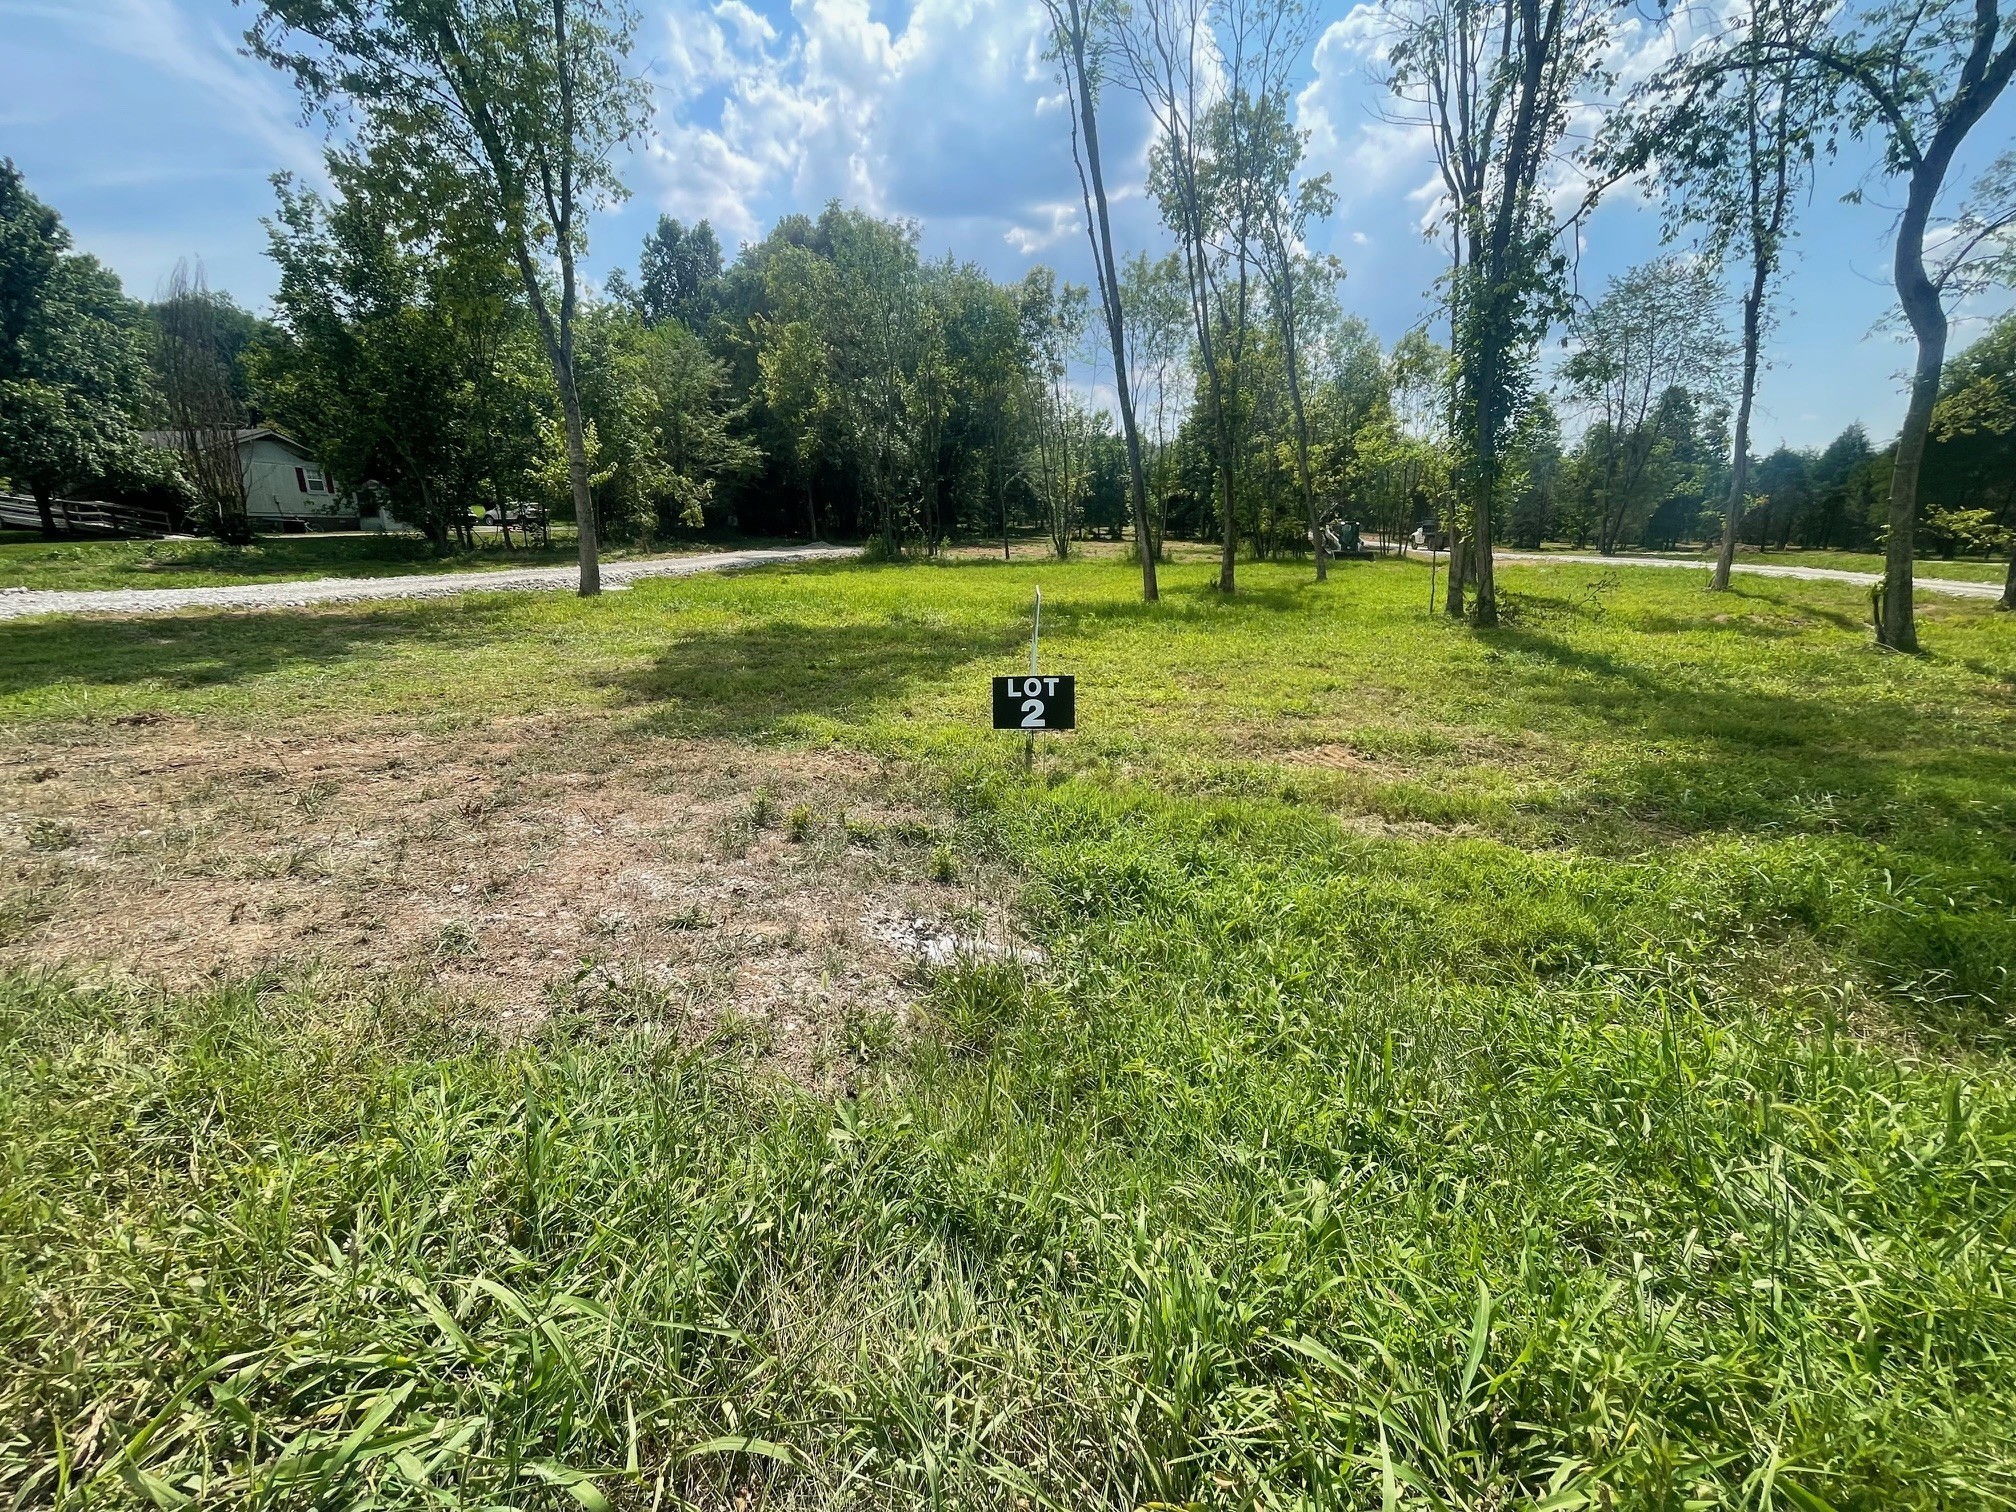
x=1591 y=1094
x=50 y=835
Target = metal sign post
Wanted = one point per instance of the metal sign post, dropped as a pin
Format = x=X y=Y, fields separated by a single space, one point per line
x=1035 y=702
x=1036 y=630
x=1035 y=637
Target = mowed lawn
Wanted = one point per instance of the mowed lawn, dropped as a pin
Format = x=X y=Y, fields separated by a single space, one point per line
x=1965 y=569
x=1564 y=1066
x=27 y=560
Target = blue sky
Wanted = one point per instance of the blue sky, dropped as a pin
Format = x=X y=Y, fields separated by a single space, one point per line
x=140 y=122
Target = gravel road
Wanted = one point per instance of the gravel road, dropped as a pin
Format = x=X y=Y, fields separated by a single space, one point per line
x=17 y=602
x=1758 y=569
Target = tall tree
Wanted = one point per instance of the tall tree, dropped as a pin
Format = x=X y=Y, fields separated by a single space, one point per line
x=1079 y=36
x=1730 y=132
x=73 y=360
x=505 y=113
x=1494 y=81
x=1162 y=351
x=1921 y=75
x=1171 y=61
x=409 y=364
x=1972 y=458
x=193 y=363
x=679 y=273
x=792 y=361
x=1657 y=327
x=1054 y=320
x=1283 y=206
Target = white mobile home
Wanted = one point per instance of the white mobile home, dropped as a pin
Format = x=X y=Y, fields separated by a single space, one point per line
x=285 y=487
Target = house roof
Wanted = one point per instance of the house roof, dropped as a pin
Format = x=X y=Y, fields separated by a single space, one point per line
x=172 y=440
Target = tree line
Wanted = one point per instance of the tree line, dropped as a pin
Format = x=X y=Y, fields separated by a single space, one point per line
x=432 y=336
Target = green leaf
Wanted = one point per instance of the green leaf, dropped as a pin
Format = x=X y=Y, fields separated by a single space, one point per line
x=764 y=1448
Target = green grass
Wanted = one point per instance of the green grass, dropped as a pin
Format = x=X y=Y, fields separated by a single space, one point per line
x=1967 y=570
x=1970 y=570
x=27 y=560
x=1560 y=1067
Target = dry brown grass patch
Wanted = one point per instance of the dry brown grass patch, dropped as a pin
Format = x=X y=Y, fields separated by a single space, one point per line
x=529 y=865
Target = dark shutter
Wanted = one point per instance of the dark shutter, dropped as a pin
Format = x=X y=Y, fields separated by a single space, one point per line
x=301 y=480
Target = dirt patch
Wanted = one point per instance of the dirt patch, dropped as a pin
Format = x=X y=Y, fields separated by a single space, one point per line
x=1335 y=758
x=528 y=866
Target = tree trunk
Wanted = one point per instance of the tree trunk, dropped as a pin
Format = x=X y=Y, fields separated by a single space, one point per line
x=432 y=524
x=588 y=536
x=1898 y=627
x=42 y=508
x=2008 y=599
x=1109 y=298
x=1478 y=562
x=1452 y=591
x=1201 y=298
x=1301 y=425
x=1739 y=462
x=1984 y=77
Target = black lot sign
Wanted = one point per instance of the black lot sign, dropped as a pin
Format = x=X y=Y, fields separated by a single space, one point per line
x=1035 y=703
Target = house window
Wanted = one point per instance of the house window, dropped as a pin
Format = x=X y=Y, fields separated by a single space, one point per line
x=310 y=480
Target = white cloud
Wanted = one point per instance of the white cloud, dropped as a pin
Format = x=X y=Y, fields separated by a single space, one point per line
x=207 y=58
x=1062 y=221
x=759 y=117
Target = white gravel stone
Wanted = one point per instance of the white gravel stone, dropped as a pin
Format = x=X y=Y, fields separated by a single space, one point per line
x=1956 y=586
x=17 y=603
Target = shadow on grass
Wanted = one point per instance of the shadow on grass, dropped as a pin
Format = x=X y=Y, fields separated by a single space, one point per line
x=744 y=681
x=192 y=650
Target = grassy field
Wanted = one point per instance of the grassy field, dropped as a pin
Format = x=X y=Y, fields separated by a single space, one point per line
x=1560 y=1067
x=1971 y=570
x=27 y=560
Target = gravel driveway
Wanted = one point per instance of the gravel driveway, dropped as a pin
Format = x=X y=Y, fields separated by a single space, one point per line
x=1953 y=586
x=17 y=602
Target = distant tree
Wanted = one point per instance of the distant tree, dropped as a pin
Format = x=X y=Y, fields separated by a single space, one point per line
x=1347 y=388
x=1841 y=491
x=1972 y=458
x=234 y=332
x=1284 y=202
x=1657 y=326
x=1920 y=74
x=1687 y=472
x=859 y=287
x=1054 y=321
x=1533 y=469
x=1784 y=488
x=1162 y=351
x=679 y=274
x=1494 y=81
x=796 y=387
x=73 y=361
x=196 y=366
x=501 y=114
x=989 y=368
